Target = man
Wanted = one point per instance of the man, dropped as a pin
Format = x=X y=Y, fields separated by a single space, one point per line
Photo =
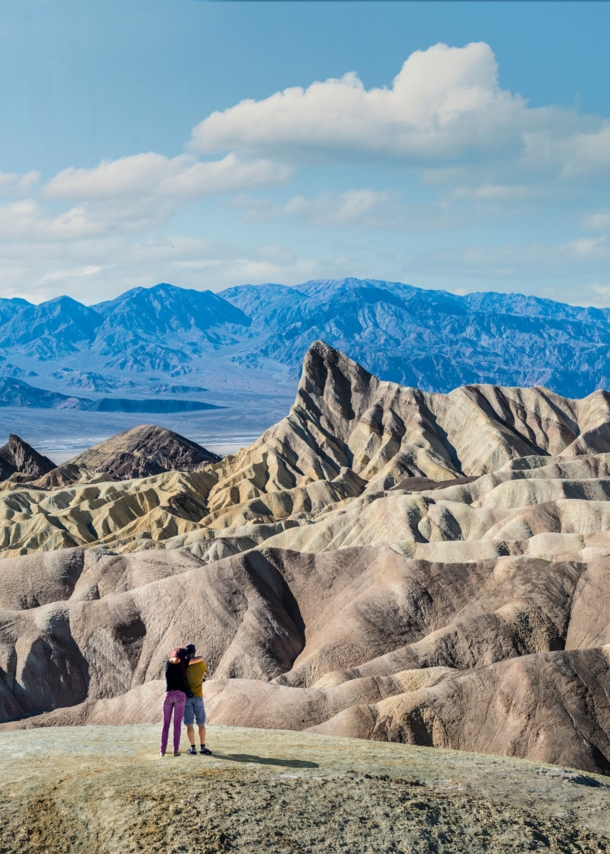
x=194 y=709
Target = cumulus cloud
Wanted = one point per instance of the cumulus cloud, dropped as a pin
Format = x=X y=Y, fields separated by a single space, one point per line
x=444 y=102
x=182 y=177
x=445 y=106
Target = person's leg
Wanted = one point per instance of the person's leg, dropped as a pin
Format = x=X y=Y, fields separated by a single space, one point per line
x=189 y=717
x=167 y=714
x=201 y=721
x=178 y=712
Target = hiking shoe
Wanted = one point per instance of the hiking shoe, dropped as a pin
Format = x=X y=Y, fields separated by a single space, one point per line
x=176 y=753
x=192 y=751
x=205 y=751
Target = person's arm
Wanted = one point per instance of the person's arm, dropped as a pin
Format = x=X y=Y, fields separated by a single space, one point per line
x=196 y=660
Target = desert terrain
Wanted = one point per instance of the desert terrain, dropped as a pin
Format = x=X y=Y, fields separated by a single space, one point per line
x=384 y=563
x=106 y=790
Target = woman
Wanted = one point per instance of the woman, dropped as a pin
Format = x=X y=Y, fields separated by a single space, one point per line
x=175 y=697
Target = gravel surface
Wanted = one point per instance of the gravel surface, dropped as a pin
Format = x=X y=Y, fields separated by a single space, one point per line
x=104 y=789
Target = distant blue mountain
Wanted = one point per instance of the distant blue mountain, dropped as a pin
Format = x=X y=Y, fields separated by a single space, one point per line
x=51 y=329
x=18 y=393
x=10 y=307
x=143 y=329
x=431 y=339
x=166 y=308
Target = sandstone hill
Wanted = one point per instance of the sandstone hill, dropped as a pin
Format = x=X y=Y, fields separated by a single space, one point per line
x=383 y=563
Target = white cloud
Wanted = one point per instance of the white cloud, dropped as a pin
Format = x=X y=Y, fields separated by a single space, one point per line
x=182 y=177
x=357 y=209
x=128 y=196
x=15 y=185
x=444 y=107
x=598 y=221
x=97 y=268
x=444 y=102
x=28 y=220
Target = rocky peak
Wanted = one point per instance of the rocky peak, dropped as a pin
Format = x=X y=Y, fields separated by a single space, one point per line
x=144 y=451
x=335 y=386
x=18 y=456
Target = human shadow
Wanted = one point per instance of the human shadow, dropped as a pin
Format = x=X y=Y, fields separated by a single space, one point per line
x=264 y=760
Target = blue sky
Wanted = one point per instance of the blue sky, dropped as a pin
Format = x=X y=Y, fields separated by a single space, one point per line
x=463 y=146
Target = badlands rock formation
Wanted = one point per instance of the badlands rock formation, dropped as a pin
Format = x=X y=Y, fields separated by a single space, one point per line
x=383 y=563
x=19 y=461
x=345 y=468
x=140 y=452
x=144 y=451
x=505 y=656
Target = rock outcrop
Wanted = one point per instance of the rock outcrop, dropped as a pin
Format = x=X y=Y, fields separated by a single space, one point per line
x=19 y=458
x=144 y=451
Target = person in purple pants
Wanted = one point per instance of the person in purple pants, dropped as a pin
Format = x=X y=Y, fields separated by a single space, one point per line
x=175 y=697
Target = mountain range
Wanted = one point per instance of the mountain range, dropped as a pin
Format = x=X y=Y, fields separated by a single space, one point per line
x=253 y=335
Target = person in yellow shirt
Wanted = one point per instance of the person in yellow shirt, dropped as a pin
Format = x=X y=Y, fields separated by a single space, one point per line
x=194 y=710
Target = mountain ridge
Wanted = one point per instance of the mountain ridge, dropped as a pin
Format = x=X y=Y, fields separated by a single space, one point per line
x=429 y=339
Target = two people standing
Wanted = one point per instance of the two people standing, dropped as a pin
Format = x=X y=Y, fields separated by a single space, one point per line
x=184 y=675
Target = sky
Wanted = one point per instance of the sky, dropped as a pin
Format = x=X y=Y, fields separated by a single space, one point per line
x=459 y=146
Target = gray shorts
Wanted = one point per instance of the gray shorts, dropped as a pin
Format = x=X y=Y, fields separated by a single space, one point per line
x=194 y=711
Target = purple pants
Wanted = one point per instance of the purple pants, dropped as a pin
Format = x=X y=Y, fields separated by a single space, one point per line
x=173 y=700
